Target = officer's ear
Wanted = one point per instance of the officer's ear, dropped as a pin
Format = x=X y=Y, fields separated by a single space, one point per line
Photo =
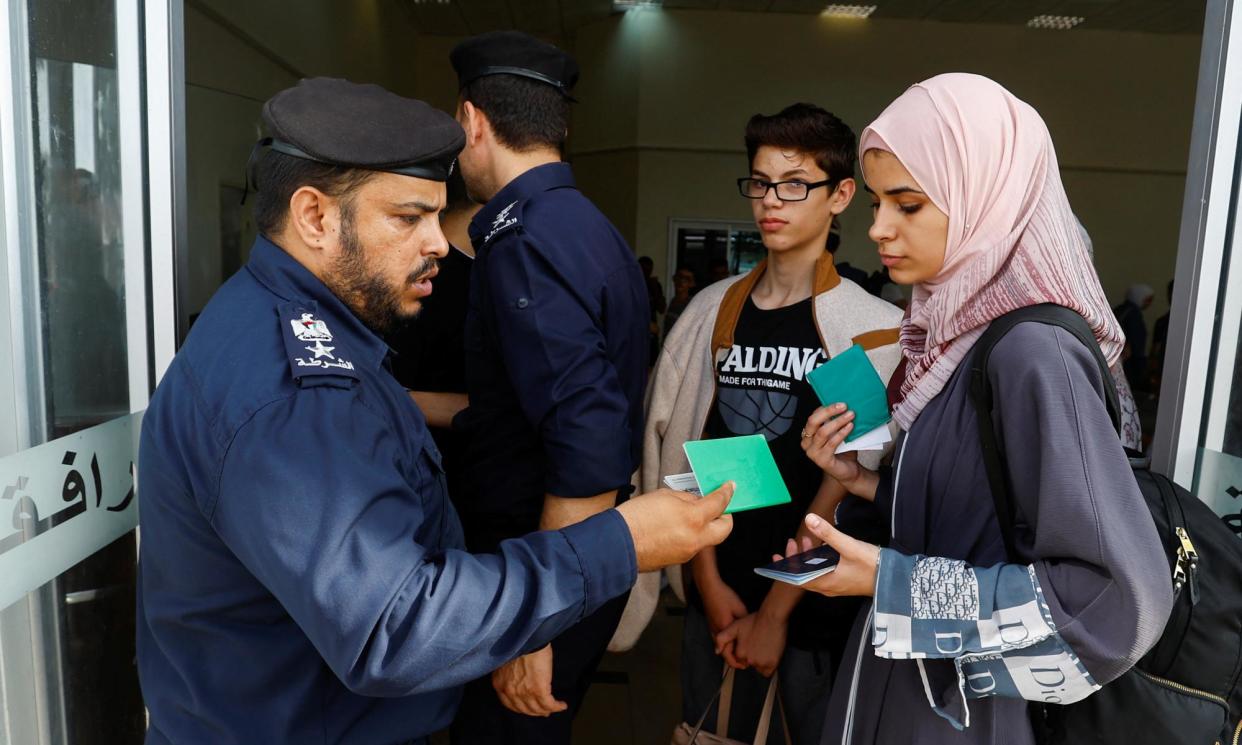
x=310 y=217
x=473 y=120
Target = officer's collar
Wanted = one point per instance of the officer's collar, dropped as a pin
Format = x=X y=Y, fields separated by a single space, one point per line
x=289 y=280
x=538 y=179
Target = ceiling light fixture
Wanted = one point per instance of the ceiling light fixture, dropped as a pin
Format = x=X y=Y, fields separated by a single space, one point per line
x=1056 y=23
x=848 y=11
x=634 y=4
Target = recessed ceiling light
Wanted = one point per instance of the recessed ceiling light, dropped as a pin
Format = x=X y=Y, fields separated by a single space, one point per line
x=632 y=4
x=1058 y=23
x=848 y=11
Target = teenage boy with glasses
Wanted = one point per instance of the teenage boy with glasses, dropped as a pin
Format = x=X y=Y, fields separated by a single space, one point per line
x=736 y=364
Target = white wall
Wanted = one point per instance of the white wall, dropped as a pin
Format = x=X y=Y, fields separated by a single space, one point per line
x=605 y=121
x=665 y=95
x=1119 y=106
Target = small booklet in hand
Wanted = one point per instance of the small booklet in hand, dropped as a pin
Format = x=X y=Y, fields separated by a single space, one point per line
x=683 y=482
x=746 y=461
x=802 y=568
x=851 y=379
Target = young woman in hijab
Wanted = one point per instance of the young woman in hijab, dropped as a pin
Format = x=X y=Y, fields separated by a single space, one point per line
x=970 y=210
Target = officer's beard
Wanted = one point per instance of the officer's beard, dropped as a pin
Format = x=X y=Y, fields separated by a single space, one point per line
x=375 y=301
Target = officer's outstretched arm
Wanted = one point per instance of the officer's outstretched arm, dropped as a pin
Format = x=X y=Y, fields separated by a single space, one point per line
x=320 y=503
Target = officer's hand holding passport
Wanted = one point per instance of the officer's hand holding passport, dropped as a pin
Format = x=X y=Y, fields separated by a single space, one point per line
x=669 y=527
x=839 y=564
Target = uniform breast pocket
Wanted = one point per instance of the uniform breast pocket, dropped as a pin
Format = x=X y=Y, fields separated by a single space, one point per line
x=436 y=506
x=431 y=459
x=423 y=470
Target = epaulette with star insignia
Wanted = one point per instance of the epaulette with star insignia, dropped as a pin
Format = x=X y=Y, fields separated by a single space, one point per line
x=315 y=358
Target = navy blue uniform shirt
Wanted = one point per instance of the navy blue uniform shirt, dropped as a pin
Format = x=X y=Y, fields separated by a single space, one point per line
x=301 y=578
x=556 y=352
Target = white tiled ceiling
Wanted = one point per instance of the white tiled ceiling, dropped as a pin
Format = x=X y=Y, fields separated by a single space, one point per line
x=560 y=17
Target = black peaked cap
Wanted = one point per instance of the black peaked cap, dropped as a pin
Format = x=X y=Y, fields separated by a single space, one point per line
x=513 y=53
x=361 y=125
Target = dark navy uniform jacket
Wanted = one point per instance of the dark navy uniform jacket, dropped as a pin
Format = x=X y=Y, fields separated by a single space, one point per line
x=556 y=352
x=301 y=573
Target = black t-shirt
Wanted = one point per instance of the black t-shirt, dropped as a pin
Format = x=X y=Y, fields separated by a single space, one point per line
x=430 y=353
x=761 y=388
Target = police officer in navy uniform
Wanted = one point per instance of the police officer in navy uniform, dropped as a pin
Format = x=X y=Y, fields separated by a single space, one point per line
x=302 y=572
x=556 y=344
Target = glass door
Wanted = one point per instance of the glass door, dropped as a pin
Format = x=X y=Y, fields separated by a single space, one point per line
x=76 y=337
x=1199 y=428
x=712 y=250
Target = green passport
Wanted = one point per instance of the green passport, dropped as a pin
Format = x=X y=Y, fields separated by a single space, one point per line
x=747 y=461
x=850 y=378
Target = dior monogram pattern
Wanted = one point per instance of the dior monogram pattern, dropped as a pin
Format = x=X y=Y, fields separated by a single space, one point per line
x=943 y=588
x=993 y=623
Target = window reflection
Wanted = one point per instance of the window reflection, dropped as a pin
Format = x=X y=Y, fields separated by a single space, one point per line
x=67 y=649
x=81 y=263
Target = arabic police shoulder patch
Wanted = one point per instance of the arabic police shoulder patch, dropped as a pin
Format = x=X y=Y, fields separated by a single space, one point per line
x=507 y=219
x=315 y=358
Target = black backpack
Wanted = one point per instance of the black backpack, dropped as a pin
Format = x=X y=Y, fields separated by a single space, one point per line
x=1185 y=690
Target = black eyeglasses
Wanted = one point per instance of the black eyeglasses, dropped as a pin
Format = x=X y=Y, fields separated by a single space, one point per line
x=786 y=191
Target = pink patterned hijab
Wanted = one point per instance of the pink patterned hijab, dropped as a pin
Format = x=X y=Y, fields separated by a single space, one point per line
x=986 y=160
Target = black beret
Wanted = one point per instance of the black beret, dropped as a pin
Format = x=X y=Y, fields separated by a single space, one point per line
x=355 y=125
x=513 y=53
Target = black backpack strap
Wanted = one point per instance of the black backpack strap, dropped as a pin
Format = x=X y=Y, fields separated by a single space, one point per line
x=981 y=395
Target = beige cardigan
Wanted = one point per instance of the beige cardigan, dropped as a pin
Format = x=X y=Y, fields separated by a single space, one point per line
x=682 y=388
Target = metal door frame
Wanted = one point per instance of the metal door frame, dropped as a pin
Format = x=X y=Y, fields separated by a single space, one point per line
x=1209 y=223
x=151 y=87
